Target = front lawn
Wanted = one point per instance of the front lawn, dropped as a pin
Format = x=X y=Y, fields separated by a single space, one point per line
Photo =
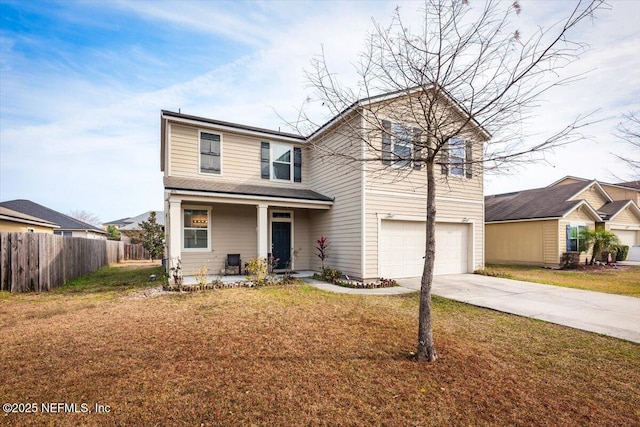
x=624 y=280
x=294 y=355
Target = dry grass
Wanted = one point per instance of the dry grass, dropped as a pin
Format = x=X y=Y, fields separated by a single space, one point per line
x=624 y=280
x=294 y=355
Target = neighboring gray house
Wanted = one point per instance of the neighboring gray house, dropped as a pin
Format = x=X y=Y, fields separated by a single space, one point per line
x=69 y=227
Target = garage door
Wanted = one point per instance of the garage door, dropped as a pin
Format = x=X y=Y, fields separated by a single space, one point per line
x=402 y=248
x=626 y=237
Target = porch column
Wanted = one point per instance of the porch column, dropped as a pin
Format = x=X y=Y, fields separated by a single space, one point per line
x=175 y=239
x=262 y=231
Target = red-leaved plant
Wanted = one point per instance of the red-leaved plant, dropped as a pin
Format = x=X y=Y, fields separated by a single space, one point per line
x=322 y=246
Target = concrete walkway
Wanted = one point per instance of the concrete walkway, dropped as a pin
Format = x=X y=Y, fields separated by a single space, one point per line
x=614 y=315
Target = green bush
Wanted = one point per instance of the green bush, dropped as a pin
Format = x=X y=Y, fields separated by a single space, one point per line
x=331 y=274
x=622 y=253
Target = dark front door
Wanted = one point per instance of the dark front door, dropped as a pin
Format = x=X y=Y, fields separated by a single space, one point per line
x=281 y=243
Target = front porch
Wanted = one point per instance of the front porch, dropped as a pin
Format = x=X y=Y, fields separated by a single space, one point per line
x=203 y=229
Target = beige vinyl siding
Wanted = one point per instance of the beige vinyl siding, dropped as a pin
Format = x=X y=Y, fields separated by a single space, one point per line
x=551 y=242
x=626 y=217
x=579 y=216
x=380 y=206
x=618 y=193
x=625 y=223
x=19 y=227
x=524 y=242
x=240 y=157
x=342 y=223
x=593 y=196
x=233 y=230
x=302 y=243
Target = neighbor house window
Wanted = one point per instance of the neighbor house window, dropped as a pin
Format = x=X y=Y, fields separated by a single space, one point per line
x=575 y=239
x=457 y=158
x=196 y=228
x=63 y=233
x=280 y=162
x=209 y=153
x=398 y=145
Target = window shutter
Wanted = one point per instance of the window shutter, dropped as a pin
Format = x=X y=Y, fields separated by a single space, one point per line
x=568 y=238
x=264 y=160
x=297 y=164
x=468 y=151
x=444 y=158
x=417 y=149
x=386 y=142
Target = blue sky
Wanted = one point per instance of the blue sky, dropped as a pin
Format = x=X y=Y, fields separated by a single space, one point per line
x=82 y=85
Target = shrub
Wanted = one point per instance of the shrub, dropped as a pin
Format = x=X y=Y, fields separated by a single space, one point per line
x=202 y=275
x=570 y=260
x=331 y=274
x=258 y=270
x=622 y=253
x=322 y=246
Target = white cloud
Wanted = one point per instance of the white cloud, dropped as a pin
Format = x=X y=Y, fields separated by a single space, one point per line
x=82 y=141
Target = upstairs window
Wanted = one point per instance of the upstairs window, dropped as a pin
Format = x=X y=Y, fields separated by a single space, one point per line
x=456 y=158
x=280 y=162
x=209 y=153
x=399 y=146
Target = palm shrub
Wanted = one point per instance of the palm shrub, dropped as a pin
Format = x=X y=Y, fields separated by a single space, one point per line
x=599 y=240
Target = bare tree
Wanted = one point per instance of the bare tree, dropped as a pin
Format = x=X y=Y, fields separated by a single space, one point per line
x=85 y=216
x=467 y=75
x=629 y=133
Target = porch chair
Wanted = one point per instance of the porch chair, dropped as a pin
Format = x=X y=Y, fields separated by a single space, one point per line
x=233 y=261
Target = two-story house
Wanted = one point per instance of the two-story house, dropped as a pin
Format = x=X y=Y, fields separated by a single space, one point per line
x=237 y=189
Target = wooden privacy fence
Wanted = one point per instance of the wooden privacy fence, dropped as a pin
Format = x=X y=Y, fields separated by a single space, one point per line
x=135 y=252
x=40 y=262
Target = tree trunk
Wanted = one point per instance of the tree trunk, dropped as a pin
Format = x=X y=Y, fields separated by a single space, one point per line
x=426 y=350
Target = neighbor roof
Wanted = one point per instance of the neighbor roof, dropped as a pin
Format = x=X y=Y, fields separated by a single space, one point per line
x=134 y=223
x=612 y=209
x=538 y=203
x=34 y=209
x=630 y=184
x=242 y=189
x=11 y=215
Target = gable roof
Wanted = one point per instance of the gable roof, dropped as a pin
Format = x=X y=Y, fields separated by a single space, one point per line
x=15 y=216
x=635 y=185
x=538 y=203
x=388 y=96
x=594 y=184
x=611 y=209
x=34 y=209
x=134 y=223
x=117 y=222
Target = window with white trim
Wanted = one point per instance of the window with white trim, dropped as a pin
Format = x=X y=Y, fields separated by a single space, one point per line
x=209 y=153
x=195 y=229
x=401 y=145
x=456 y=157
x=576 y=241
x=282 y=164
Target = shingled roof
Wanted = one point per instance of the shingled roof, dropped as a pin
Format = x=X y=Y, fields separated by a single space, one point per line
x=547 y=202
x=243 y=189
x=65 y=222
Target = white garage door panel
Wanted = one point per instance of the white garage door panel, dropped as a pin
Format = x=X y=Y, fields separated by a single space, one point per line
x=626 y=237
x=402 y=245
x=451 y=249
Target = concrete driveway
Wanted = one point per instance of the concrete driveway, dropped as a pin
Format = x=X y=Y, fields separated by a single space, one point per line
x=614 y=315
